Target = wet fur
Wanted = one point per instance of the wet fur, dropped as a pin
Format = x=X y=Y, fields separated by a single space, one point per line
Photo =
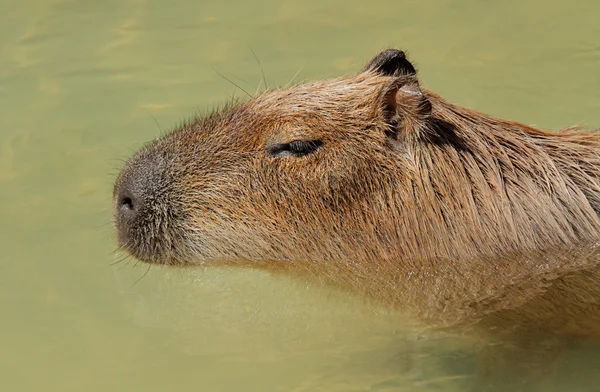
x=453 y=215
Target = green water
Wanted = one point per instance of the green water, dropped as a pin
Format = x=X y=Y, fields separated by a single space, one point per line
x=83 y=83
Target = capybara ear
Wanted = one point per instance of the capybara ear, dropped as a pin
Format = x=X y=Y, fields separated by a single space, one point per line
x=405 y=107
x=391 y=62
x=408 y=99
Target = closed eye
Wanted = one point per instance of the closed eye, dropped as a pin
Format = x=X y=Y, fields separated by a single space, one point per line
x=296 y=148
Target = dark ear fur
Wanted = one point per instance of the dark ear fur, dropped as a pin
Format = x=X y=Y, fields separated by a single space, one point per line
x=391 y=62
x=405 y=106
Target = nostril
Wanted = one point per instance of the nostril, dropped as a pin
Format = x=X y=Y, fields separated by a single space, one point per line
x=126 y=203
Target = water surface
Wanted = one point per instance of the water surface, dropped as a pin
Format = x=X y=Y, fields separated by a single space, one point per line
x=84 y=83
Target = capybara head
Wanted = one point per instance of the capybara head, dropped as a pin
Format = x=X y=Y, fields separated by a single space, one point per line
x=369 y=177
x=299 y=173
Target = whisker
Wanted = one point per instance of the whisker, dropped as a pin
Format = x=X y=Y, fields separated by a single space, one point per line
x=120 y=260
x=232 y=82
x=141 y=277
x=117 y=262
x=230 y=96
x=262 y=71
x=258 y=88
x=119 y=248
x=240 y=79
x=294 y=77
x=162 y=133
x=128 y=258
x=105 y=224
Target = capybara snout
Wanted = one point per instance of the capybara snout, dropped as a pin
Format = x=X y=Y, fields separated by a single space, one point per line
x=147 y=215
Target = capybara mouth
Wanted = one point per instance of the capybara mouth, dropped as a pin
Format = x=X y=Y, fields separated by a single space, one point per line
x=147 y=216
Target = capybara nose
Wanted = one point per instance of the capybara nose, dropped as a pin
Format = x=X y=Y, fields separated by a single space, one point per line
x=127 y=203
x=129 y=209
x=137 y=192
x=132 y=194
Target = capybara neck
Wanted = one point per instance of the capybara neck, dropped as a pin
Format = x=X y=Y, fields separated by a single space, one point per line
x=486 y=186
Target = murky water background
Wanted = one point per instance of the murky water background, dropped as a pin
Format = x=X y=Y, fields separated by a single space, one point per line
x=83 y=83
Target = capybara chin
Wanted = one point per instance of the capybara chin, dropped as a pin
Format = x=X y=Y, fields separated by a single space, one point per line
x=371 y=183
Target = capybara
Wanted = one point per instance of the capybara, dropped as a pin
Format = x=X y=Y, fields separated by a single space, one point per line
x=371 y=183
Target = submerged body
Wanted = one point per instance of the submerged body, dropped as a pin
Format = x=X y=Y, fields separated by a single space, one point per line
x=371 y=183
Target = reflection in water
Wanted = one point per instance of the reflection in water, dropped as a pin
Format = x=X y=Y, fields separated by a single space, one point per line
x=83 y=83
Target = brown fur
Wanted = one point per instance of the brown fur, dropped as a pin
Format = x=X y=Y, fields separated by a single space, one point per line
x=451 y=214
